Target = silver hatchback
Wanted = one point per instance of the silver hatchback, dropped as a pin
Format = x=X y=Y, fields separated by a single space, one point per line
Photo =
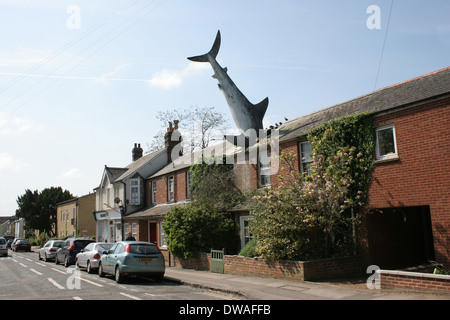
x=133 y=258
x=89 y=257
x=48 y=251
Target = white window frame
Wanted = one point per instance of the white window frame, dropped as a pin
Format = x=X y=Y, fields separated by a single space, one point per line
x=244 y=231
x=134 y=229
x=188 y=184
x=154 y=192
x=135 y=192
x=304 y=162
x=264 y=170
x=162 y=235
x=392 y=155
x=170 y=188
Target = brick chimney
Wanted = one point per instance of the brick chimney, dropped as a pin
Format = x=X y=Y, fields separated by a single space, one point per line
x=137 y=152
x=172 y=138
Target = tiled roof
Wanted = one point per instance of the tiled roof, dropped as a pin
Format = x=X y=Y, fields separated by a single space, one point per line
x=411 y=91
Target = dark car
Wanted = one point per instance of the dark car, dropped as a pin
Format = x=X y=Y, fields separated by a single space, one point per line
x=72 y=246
x=21 y=244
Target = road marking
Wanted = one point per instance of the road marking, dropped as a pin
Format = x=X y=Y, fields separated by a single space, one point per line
x=59 y=271
x=77 y=298
x=40 y=264
x=28 y=259
x=130 y=296
x=92 y=282
x=55 y=283
x=37 y=272
x=23 y=265
x=14 y=260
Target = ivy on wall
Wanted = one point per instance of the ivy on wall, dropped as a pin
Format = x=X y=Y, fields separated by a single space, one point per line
x=313 y=216
x=357 y=132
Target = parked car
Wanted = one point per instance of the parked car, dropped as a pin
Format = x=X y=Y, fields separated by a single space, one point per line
x=9 y=240
x=21 y=244
x=132 y=258
x=3 y=247
x=68 y=253
x=48 y=251
x=89 y=257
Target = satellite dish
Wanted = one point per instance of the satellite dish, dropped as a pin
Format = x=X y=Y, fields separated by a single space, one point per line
x=117 y=200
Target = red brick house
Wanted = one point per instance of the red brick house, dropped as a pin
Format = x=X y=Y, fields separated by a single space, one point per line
x=410 y=188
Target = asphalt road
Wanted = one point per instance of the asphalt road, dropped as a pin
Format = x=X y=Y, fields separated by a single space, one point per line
x=24 y=277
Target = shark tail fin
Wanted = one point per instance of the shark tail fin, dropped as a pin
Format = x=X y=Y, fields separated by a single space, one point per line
x=213 y=52
x=260 y=108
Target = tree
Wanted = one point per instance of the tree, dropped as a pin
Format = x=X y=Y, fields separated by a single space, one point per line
x=198 y=127
x=213 y=183
x=198 y=227
x=310 y=216
x=38 y=209
x=205 y=223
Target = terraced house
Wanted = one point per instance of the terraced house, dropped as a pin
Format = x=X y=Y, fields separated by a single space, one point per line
x=409 y=191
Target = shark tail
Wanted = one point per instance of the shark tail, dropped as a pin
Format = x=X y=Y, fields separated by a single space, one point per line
x=260 y=108
x=213 y=52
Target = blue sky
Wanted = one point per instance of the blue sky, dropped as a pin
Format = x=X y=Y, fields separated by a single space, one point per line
x=82 y=81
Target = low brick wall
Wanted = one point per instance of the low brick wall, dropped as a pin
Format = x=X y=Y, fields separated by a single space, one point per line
x=414 y=281
x=300 y=270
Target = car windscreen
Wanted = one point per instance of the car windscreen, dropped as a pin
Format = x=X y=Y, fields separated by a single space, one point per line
x=22 y=242
x=80 y=244
x=143 y=249
x=2 y=241
x=104 y=247
x=58 y=244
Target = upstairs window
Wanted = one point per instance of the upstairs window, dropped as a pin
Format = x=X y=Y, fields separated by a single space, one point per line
x=264 y=169
x=188 y=184
x=305 y=157
x=154 y=192
x=135 y=192
x=170 y=193
x=386 y=147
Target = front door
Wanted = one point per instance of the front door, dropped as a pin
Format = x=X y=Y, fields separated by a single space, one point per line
x=152 y=232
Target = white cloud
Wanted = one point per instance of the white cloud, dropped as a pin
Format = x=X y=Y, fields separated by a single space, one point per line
x=8 y=163
x=169 y=79
x=11 y=125
x=70 y=174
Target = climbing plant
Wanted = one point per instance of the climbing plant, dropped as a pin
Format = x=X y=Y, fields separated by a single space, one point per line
x=310 y=216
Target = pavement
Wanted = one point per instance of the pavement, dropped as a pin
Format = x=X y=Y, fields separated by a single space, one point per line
x=258 y=288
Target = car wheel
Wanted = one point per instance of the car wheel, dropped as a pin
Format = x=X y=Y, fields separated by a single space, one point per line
x=66 y=262
x=120 y=278
x=100 y=270
x=45 y=258
x=39 y=256
x=89 y=268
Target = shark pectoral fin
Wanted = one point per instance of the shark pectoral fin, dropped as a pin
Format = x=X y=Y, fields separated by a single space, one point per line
x=260 y=108
x=213 y=52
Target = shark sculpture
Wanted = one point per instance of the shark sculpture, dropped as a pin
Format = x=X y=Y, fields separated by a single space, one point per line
x=245 y=114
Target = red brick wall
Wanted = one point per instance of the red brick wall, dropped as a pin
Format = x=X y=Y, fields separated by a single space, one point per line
x=180 y=191
x=301 y=270
x=283 y=168
x=414 y=281
x=421 y=175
